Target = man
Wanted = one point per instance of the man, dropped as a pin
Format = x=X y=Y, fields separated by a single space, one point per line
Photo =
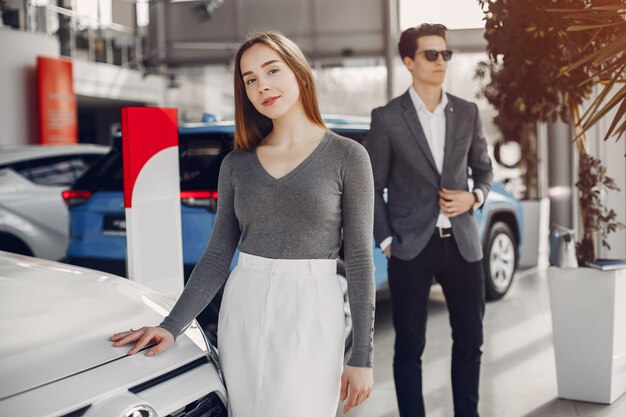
x=421 y=145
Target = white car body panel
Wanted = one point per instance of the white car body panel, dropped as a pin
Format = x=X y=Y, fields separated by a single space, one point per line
x=34 y=213
x=56 y=357
x=23 y=153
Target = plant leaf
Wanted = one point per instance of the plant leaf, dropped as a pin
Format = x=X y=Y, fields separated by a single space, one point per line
x=620 y=95
x=577 y=28
x=618 y=116
x=617 y=7
x=600 y=55
x=605 y=91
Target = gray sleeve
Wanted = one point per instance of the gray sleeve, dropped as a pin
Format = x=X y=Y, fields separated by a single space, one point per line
x=379 y=150
x=212 y=269
x=357 y=209
x=478 y=158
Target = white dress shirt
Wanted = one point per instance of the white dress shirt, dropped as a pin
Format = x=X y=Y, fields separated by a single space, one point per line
x=434 y=127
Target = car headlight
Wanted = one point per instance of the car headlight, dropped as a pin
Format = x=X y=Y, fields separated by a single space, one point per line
x=213 y=357
x=195 y=333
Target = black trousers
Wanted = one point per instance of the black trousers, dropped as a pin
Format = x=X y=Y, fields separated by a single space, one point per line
x=464 y=289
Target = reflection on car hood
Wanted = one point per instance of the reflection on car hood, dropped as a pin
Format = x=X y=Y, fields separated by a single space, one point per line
x=55 y=319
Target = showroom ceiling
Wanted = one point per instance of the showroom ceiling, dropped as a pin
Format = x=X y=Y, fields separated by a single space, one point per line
x=184 y=33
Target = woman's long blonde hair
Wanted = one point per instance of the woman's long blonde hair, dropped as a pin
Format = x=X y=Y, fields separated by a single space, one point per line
x=250 y=125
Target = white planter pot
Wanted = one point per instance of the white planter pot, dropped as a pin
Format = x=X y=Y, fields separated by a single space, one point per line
x=536 y=232
x=589 y=328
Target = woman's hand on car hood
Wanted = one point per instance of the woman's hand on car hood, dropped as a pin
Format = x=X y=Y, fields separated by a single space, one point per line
x=163 y=339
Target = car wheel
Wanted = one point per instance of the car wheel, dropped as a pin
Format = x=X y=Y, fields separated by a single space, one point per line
x=10 y=243
x=499 y=261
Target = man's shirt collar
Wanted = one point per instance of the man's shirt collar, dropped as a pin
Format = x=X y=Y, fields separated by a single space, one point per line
x=419 y=103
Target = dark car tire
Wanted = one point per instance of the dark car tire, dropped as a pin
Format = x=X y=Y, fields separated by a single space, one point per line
x=10 y=243
x=500 y=260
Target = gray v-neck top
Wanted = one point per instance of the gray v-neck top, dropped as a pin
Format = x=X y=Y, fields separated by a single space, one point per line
x=306 y=214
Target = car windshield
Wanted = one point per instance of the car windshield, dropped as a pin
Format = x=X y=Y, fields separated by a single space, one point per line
x=54 y=171
x=201 y=155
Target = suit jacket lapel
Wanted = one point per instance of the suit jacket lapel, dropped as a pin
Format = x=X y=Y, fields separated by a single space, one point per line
x=415 y=127
x=451 y=125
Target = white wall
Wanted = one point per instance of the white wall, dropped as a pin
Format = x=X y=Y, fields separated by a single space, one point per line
x=19 y=118
x=94 y=79
x=218 y=90
x=188 y=94
x=19 y=121
x=613 y=156
x=194 y=92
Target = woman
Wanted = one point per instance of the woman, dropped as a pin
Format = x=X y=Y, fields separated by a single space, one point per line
x=292 y=191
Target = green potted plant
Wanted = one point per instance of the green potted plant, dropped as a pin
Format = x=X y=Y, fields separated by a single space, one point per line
x=590 y=298
x=518 y=81
x=540 y=71
x=604 y=23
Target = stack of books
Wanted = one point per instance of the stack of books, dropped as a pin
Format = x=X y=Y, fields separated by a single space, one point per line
x=608 y=264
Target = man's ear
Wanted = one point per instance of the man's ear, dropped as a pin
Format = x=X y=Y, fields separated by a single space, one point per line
x=408 y=63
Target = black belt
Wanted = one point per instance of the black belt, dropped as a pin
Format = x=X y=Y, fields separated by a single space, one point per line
x=443 y=232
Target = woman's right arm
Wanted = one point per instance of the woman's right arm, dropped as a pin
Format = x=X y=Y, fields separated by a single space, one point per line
x=208 y=275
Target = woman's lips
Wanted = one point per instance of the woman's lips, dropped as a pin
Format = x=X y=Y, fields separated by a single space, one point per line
x=269 y=101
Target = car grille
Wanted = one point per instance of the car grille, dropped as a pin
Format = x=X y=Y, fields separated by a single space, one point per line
x=77 y=413
x=208 y=406
x=172 y=374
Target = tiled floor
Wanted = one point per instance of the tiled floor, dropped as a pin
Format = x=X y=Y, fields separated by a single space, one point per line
x=518 y=376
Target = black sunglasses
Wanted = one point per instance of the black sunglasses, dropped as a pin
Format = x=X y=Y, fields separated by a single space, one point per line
x=432 y=55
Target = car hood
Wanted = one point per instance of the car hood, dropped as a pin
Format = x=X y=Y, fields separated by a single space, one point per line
x=55 y=319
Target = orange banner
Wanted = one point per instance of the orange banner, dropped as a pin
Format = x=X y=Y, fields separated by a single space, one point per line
x=57 y=102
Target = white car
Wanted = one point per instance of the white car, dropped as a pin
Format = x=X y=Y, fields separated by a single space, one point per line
x=33 y=215
x=56 y=359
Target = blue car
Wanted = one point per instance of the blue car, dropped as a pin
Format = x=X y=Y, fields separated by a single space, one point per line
x=97 y=219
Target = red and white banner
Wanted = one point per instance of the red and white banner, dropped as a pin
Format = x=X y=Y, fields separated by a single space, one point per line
x=152 y=198
x=57 y=102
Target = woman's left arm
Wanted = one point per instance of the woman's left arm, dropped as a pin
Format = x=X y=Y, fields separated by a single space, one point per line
x=357 y=207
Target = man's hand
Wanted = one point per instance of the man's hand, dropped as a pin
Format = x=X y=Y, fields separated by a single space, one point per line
x=356 y=386
x=387 y=251
x=455 y=202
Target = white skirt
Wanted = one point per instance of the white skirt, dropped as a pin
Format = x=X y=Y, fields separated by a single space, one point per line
x=281 y=337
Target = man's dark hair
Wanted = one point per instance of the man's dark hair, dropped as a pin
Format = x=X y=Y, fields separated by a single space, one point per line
x=408 y=40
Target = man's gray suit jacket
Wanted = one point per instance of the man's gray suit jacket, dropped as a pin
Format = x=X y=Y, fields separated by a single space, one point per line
x=403 y=164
